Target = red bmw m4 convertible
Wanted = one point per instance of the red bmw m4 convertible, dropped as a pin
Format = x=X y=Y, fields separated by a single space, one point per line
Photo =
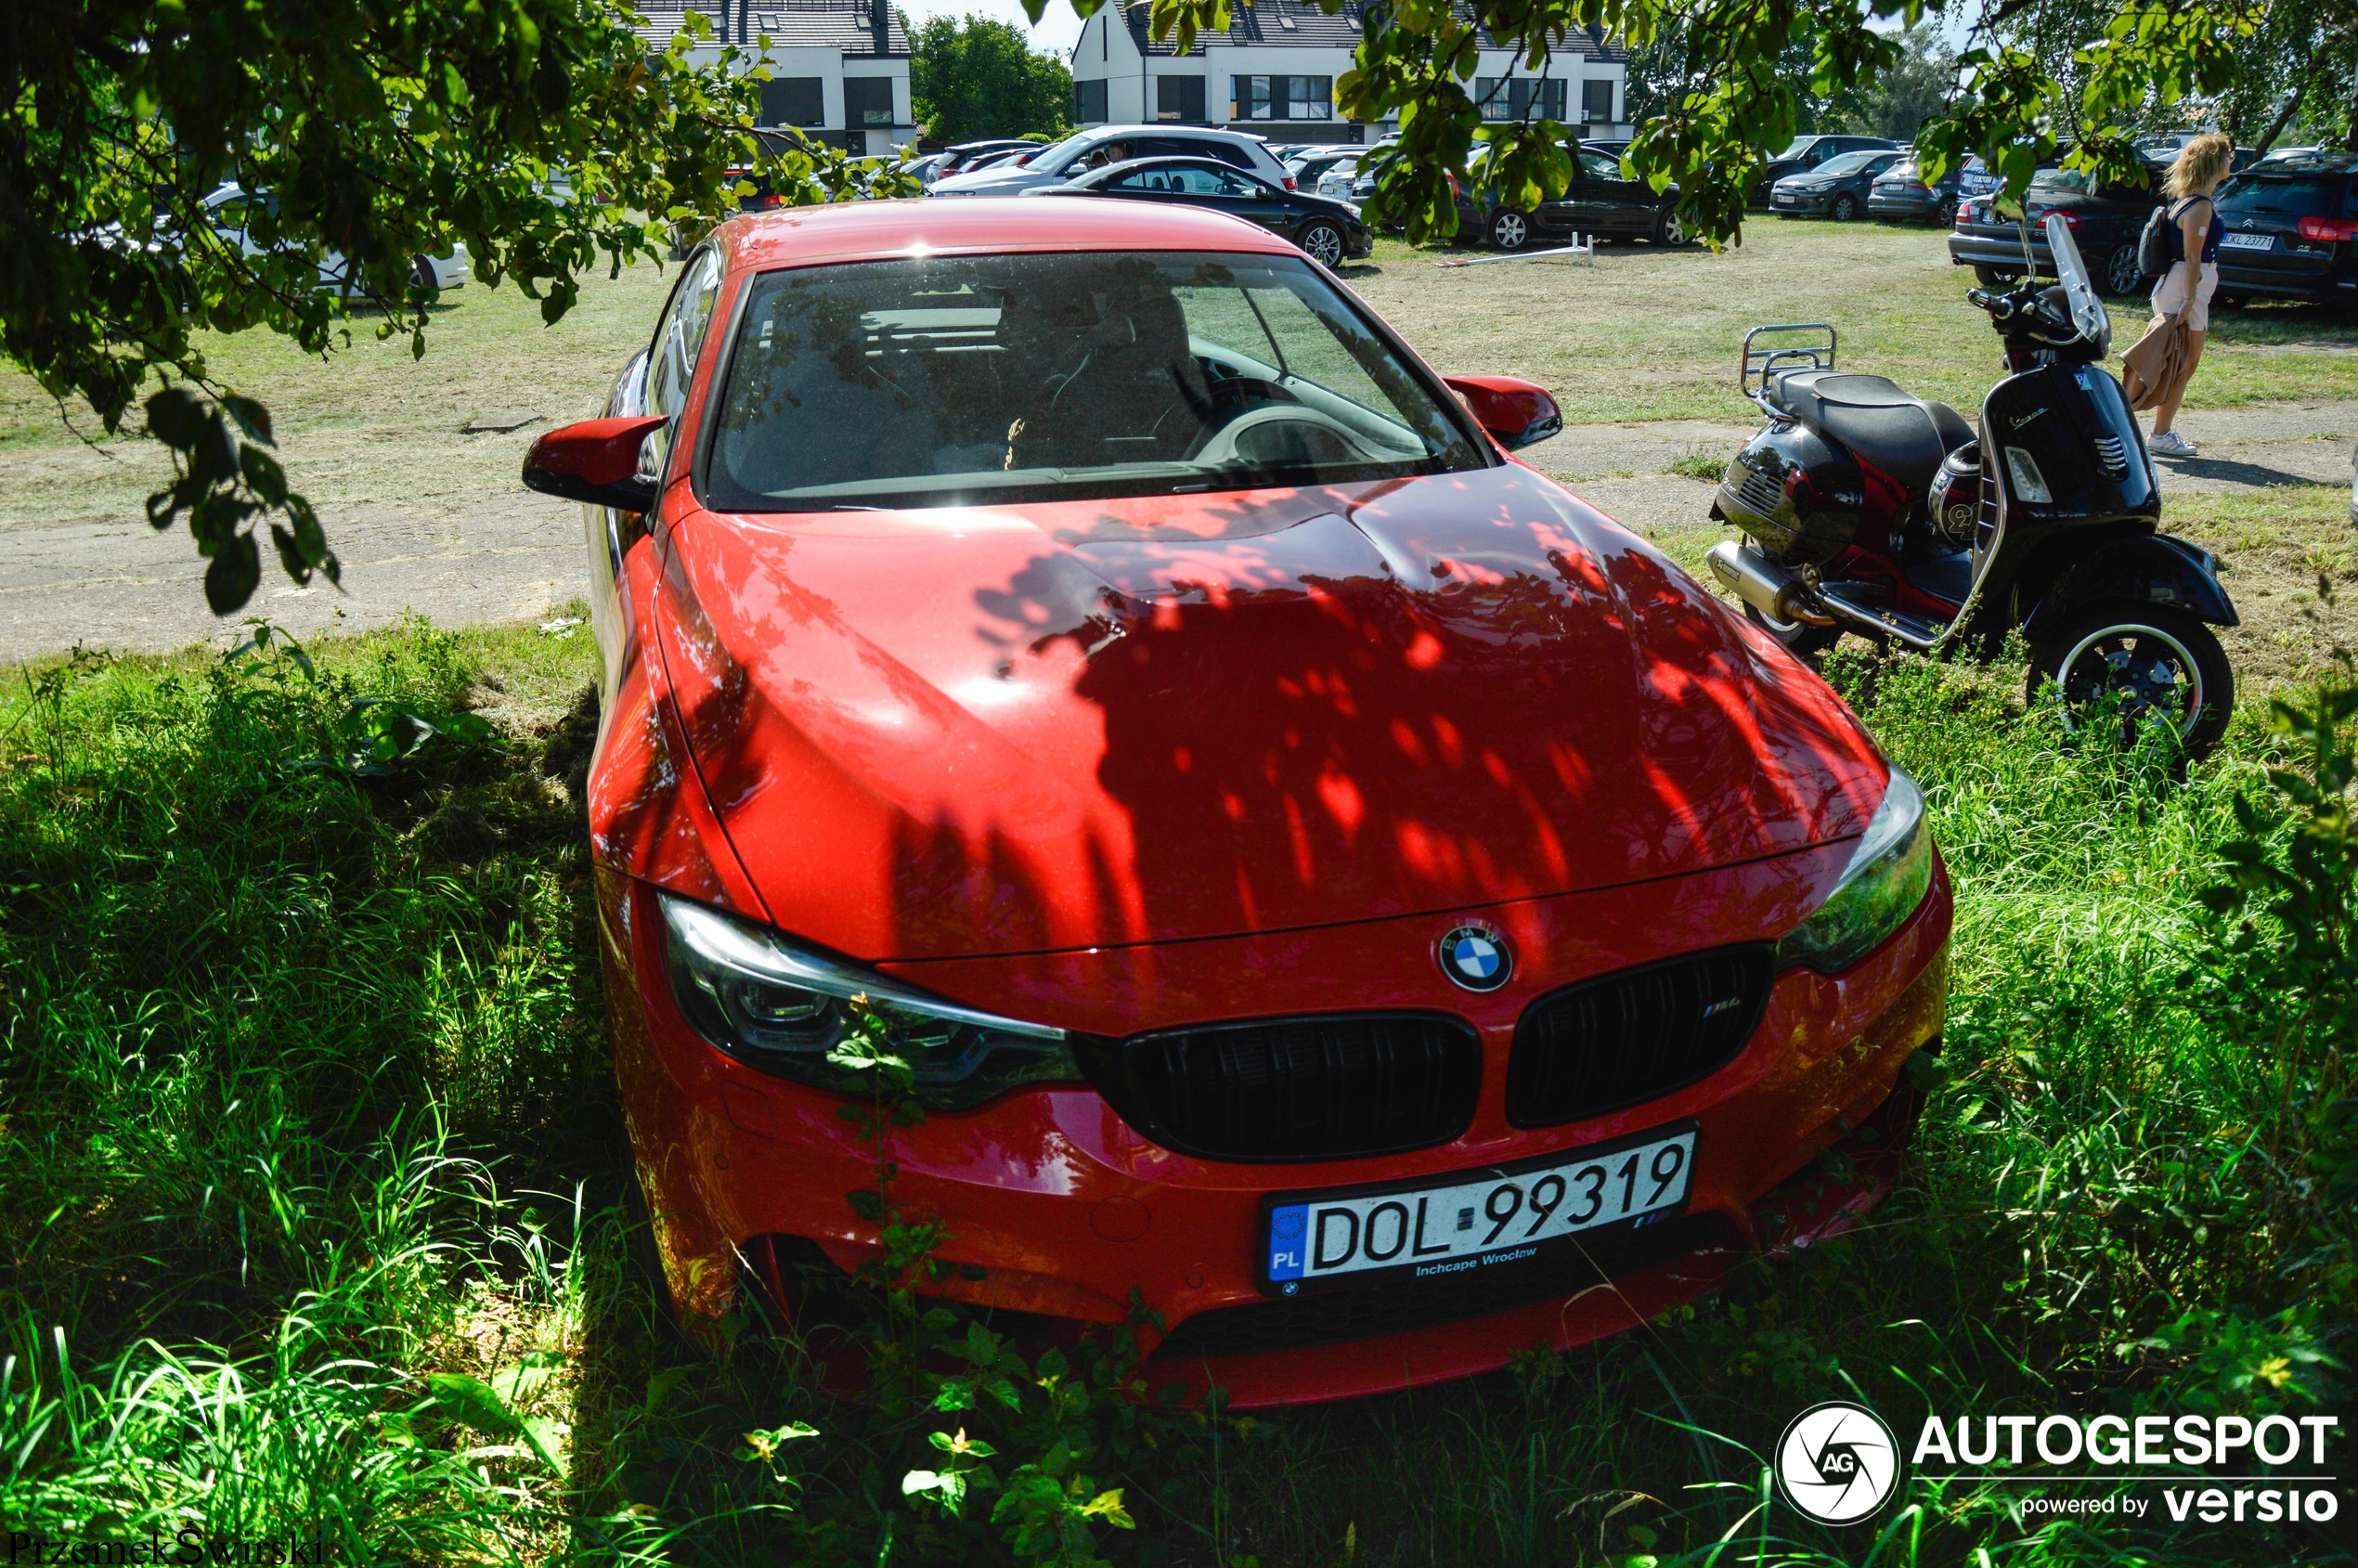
x=1329 y=880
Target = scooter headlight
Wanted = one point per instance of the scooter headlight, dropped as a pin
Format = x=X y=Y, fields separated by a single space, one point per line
x=1888 y=874
x=781 y=1008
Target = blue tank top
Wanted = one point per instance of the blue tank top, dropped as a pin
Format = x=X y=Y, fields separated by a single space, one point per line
x=2210 y=233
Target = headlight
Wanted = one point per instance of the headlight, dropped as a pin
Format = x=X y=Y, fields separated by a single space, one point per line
x=781 y=1008
x=1887 y=878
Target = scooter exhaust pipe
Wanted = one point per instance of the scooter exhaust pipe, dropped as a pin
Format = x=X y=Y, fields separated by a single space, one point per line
x=1763 y=584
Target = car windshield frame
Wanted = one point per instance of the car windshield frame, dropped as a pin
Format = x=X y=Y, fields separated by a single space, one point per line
x=720 y=490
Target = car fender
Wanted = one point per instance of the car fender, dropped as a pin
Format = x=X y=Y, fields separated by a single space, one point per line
x=2151 y=568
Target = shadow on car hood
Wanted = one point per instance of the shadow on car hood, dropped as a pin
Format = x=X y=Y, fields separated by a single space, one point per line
x=1088 y=724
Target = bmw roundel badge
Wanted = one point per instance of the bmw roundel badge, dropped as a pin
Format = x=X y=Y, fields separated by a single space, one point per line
x=1476 y=957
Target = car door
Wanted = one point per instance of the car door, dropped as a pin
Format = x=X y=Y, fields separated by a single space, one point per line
x=1233 y=190
x=1617 y=205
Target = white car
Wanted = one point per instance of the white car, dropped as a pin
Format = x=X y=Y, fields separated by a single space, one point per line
x=226 y=212
x=1101 y=144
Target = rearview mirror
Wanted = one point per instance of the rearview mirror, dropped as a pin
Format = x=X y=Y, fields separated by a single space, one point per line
x=1516 y=412
x=595 y=461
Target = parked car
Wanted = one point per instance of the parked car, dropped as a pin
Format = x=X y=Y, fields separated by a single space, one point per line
x=1082 y=643
x=1597 y=201
x=2289 y=231
x=1803 y=154
x=1310 y=166
x=2286 y=154
x=1342 y=176
x=228 y=211
x=1838 y=189
x=1103 y=145
x=1613 y=149
x=1328 y=230
x=2105 y=220
x=1900 y=194
x=963 y=158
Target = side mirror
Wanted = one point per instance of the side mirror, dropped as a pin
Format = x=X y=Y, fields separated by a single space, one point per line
x=1516 y=412
x=595 y=461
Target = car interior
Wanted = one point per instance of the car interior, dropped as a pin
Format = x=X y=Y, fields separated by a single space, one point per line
x=1151 y=372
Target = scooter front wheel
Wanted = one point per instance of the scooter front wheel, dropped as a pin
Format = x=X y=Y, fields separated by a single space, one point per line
x=2149 y=663
x=1801 y=640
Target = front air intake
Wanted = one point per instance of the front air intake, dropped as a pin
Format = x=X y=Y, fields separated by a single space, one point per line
x=1297 y=1089
x=1621 y=1040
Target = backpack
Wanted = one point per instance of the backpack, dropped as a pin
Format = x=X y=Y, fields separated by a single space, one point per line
x=2153 y=246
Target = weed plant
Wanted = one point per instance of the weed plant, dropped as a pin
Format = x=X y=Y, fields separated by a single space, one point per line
x=312 y=1184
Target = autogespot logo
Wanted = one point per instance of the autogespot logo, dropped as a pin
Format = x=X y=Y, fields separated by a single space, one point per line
x=1837 y=1462
x=1476 y=957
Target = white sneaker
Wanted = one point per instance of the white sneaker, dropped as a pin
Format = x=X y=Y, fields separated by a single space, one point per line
x=2169 y=443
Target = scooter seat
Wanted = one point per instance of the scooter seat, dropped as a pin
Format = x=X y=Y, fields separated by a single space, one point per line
x=1877 y=420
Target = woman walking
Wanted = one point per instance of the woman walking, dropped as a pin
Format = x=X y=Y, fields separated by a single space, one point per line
x=2164 y=359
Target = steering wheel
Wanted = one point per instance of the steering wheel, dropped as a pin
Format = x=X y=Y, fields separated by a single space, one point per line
x=1283 y=434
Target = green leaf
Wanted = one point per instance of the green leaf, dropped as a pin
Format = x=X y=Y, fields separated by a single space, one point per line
x=236 y=571
x=251 y=416
x=175 y=418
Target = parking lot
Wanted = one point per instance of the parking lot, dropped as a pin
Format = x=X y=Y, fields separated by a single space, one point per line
x=1640 y=349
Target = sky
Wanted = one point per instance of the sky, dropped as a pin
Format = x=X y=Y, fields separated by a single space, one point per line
x=1059 y=29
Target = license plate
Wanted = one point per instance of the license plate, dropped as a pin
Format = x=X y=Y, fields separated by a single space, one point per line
x=2248 y=241
x=1474 y=1220
x=1784 y=200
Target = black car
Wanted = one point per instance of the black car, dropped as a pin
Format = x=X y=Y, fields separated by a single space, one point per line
x=1900 y=194
x=1808 y=152
x=2289 y=231
x=2105 y=219
x=1328 y=230
x=1597 y=202
x=1836 y=188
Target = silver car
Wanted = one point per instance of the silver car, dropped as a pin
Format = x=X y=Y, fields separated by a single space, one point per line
x=1101 y=144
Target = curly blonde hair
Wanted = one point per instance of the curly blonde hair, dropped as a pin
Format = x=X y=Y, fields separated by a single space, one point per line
x=2202 y=164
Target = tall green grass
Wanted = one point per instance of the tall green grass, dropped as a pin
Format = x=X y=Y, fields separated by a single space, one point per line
x=312 y=1178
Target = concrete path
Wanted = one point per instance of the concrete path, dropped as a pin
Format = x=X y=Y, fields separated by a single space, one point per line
x=112 y=582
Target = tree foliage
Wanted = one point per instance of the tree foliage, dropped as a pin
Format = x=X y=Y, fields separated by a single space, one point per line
x=1727 y=91
x=542 y=134
x=974 y=77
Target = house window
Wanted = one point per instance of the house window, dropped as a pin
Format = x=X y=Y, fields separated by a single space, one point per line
x=1519 y=97
x=1282 y=97
x=793 y=101
x=867 y=101
x=1179 y=97
x=1089 y=103
x=1596 y=103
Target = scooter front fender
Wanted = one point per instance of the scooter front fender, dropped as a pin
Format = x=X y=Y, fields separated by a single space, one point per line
x=2148 y=568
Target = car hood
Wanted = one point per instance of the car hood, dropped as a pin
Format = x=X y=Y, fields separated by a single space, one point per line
x=1091 y=723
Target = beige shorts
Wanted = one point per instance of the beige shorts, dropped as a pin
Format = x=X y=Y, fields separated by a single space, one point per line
x=2171 y=297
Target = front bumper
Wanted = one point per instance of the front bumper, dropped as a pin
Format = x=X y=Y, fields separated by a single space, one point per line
x=1065 y=1211
x=1799 y=205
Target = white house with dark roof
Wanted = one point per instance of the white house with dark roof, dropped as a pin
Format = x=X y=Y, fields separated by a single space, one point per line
x=1273 y=70
x=839 y=69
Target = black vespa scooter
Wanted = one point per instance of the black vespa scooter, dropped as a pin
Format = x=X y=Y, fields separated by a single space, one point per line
x=1874 y=511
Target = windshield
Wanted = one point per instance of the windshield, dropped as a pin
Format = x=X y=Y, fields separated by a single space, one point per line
x=1052 y=157
x=1849 y=163
x=2061 y=179
x=2292 y=197
x=954 y=380
x=1798 y=146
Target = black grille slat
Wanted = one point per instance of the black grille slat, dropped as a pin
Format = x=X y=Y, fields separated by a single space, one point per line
x=1621 y=1040
x=1294 y=1089
x=1369 y=1311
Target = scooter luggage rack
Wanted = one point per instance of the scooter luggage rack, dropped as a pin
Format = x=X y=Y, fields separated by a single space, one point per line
x=1759 y=364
